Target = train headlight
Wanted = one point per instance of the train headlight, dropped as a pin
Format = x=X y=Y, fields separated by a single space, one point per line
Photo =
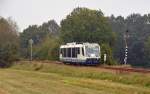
x=92 y=55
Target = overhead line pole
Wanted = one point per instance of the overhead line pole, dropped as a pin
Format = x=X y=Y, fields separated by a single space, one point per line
x=126 y=35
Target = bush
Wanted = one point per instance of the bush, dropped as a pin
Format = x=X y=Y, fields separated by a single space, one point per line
x=8 y=43
x=105 y=49
x=48 y=49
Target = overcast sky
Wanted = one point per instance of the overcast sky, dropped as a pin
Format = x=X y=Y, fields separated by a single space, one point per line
x=28 y=12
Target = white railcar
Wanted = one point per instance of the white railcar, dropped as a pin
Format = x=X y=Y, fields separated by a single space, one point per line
x=80 y=53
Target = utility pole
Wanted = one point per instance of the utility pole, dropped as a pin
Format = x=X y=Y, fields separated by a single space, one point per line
x=31 y=43
x=126 y=36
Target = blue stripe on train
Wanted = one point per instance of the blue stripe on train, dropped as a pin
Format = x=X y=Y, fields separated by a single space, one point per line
x=91 y=61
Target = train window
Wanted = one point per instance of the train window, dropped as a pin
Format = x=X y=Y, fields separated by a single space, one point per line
x=82 y=51
x=69 y=52
x=78 y=50
x=61 y=51
x=65 y=52
x=73 y=52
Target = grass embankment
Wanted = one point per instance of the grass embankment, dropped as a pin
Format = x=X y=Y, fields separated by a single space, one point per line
x=44 y=78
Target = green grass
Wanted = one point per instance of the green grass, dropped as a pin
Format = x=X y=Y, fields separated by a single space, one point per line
x=44 y=78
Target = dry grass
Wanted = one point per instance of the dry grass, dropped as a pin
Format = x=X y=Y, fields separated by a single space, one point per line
x=39 y=78
x=2 y=91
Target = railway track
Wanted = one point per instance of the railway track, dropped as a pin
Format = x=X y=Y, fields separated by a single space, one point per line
x=120 y=69
x=124 y=69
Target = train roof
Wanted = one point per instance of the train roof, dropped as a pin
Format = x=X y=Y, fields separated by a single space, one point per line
x=74 y=44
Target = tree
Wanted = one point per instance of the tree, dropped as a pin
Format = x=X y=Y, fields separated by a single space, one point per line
x=38 y=34
x=85 y=25
x=106 y=49
x=147 y=52
x=8 y=42
x=138 y=27
x=48 y=49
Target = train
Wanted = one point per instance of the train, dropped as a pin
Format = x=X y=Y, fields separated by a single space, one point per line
x=80 y=53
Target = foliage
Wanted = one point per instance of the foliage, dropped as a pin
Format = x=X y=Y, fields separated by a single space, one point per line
x=138 y=27
x=9 y=46
x=147 y=51
x=85 y=25
x=105 y=49
x=38 y=35
x=48 y=49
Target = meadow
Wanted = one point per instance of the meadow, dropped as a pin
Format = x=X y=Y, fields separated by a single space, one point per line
x=49 y=78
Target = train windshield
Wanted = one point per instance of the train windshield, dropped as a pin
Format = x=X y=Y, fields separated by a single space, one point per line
x=92 y=51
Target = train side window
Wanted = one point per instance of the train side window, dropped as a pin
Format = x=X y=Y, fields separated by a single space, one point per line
x=61 y=51
x=69 y=52
x=82 y=51
x=65 y=52
x=73 y=52
x=78 y=50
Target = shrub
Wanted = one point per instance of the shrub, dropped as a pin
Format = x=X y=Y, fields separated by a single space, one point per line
x=105 y=49
x=8 y=43
x=48 y=49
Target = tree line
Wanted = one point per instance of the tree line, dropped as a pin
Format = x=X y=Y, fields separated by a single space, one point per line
x=138 y=27
x=81 y=25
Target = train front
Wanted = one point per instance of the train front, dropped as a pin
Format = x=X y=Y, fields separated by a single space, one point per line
x=92 y=53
